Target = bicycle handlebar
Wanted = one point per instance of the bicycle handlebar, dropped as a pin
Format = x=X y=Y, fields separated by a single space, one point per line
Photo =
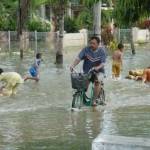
x=74 y=70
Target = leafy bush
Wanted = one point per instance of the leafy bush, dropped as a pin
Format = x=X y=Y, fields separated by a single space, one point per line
x=112 y=45
x=85 y=19
x=39 y=24
x=144 y=24
x=70 y=25
x=107 y=16
x=7 y=20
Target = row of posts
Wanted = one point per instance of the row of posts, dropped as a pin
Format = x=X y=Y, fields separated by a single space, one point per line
x=9 y=41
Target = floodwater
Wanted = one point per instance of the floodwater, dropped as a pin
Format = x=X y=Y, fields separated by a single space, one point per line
x=39 y=117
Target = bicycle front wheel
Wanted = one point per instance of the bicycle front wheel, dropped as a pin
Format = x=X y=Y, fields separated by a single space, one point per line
x=77 y=100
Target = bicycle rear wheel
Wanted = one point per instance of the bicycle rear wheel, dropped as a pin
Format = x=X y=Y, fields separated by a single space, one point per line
x=77 y=100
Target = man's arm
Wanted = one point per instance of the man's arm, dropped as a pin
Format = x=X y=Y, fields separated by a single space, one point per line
x=75 y=63
x=99 y=66
x=78 y=59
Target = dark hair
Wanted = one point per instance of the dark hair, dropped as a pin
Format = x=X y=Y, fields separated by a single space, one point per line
x=115 y=25
x=1 y=70
x=120 y=46
x=38 y=55
x=95 y=38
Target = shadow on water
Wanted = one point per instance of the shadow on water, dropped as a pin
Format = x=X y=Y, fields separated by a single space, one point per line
x=39 y=116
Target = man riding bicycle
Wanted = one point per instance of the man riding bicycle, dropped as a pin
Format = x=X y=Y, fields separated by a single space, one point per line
x=94 y=58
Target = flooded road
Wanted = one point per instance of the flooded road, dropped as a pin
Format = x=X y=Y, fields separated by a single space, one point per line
x=40 y=117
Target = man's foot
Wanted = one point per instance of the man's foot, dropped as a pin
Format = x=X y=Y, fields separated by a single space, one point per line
x=94 y=104
x=102 y=103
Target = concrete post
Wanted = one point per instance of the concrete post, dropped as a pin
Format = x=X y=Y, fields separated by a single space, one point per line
x=97 y=19
x=42 y=11
x=85 y=33
x=35 y=34
x=9 y=40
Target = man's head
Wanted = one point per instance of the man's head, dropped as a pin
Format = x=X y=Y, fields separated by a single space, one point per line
x=1 y=70
x=120 y=47
x=94 y=42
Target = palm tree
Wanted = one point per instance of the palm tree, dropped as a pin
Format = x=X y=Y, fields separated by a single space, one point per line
x=128 y=12
x=59 y=7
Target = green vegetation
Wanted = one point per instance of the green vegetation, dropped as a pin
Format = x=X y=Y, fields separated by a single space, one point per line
x=85 y=19
x=9 y=11
x=8 y=14
x=38 y=24
x=70 y=25
x=127 y=13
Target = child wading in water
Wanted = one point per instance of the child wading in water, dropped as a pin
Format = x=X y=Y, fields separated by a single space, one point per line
x=11 y=81
x=34 y=69
x=117 y=61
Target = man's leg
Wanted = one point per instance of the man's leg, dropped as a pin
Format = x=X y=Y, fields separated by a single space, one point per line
x=97 y=88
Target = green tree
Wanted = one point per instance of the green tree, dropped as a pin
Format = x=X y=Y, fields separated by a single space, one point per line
x=128 y=12
x=85 y=19
x=95 y=7
x=8 y=14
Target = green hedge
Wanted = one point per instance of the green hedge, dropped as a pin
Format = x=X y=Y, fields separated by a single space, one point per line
x=70 y=25
x=39 y=24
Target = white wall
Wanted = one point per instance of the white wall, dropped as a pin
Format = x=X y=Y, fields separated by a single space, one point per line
x=141 y=35
x=76 y=39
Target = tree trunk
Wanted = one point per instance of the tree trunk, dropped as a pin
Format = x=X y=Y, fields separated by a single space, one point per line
x=132 y=42
x=20 y=35
x=59 y=53
x=21 y=45
x=23 y=8
x=97 y=19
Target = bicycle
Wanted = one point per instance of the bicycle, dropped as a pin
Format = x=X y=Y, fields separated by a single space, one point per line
x=79 y=84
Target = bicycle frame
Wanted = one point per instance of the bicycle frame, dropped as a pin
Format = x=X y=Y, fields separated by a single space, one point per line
x=86 y=100
x=80 y=96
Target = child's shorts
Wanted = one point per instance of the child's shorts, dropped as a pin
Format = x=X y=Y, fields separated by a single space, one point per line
x=116 y=69
x=33 y=72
